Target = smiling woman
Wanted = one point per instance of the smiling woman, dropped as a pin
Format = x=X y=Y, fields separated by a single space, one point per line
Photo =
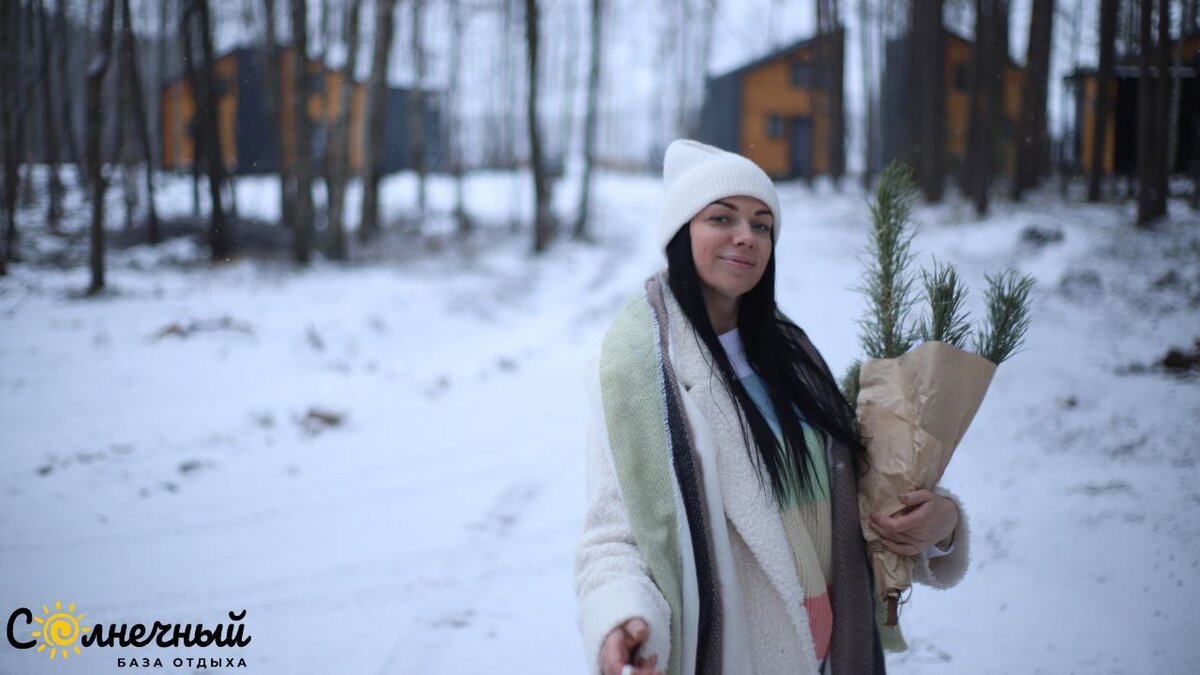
x=731 y=243
x=722 y=462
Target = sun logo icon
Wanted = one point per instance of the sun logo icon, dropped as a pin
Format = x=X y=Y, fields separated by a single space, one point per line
x=59 y=629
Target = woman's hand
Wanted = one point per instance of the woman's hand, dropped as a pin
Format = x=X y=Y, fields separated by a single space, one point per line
x=619 y=647
x=927 y=519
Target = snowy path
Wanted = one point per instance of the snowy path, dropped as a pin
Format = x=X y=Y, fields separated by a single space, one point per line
x=432 y=531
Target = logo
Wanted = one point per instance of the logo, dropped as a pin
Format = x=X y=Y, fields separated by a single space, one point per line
x=59 y=629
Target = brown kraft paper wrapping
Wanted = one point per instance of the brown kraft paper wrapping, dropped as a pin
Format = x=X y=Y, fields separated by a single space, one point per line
x=913 y=410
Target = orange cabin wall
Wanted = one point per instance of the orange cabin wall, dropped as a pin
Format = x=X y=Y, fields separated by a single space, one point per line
x=179 y=111
x=768 y=91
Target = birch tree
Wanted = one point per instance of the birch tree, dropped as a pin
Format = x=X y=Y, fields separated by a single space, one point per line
x=589 y=120
x=454 y=110
x=544 y=222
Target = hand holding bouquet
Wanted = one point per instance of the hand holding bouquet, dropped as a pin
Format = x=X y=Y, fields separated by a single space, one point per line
x=914 y=404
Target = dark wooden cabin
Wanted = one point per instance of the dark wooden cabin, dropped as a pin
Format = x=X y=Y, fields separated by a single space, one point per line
x=249 y=142
x=776 y=109
x=957 y=82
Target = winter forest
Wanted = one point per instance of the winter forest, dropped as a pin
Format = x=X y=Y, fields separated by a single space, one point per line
x=297 y=299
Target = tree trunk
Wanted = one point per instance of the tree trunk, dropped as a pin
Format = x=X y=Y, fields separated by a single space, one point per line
x=416 y=111
x=67 y=93
x=374 y=140
x=1147 y=116
x=454 y=117
x=1103 y=102
x=187 y=30
x=134 y=81
x=868 y=72
x=832 y=56
x=206 y=106
x=95 y=126
x=339 y=137
x=1161 y=127
x=123 y=149
x=991 y=47
x=50 y=121
x=1032 y=143
x=544 y=225
x=273 y=95
x=302 y=167
x=8 y=151
x=589 y=120
x=14 y=102
x=927 y=97
x=157 y=79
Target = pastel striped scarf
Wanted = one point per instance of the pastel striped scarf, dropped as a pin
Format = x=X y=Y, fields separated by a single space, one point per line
x=806 y=514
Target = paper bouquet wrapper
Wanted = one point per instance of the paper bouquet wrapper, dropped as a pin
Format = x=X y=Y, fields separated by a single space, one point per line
x=913 y=411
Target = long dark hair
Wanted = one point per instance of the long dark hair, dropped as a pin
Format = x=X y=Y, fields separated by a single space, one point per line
x=797 y=383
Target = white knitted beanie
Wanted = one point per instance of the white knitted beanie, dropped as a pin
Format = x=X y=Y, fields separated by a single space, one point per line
x=696 y=175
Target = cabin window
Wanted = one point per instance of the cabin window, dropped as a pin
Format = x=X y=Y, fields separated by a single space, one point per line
x=774 y=126
x=802 y=74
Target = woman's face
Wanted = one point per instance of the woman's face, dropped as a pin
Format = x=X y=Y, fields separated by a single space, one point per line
x=731 y=244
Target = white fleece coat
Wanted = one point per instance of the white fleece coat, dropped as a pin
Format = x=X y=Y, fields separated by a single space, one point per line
x=766 y=626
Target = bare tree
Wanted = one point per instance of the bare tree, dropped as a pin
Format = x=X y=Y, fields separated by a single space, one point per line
x=1032 y=141
x=134 y=83
x=544 y=222
x=589 y=120
x=987 y=99
x=1153 y=94
x=50 y=121
x=339 y=137
x=95 y=125
x=927 y=96
x=1103 y=102
x=377 y=95
x=66 y=92
x=415 y=141
x=302 y=164
x=454 y=115
x=204 y=91
x=866 y=48
x=272 y=69
x=125 y=152
x=187 y=30
x=9 y=76
x=832 y=55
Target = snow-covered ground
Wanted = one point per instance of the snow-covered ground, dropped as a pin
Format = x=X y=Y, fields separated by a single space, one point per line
x=151 y=475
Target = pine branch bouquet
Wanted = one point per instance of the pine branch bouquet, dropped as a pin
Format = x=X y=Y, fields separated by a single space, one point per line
x=919 y=388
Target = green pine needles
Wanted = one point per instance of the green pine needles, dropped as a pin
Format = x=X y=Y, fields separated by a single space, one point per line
x=887 y=282
x=1008 y=317
x=888 y=285
x=946 y=320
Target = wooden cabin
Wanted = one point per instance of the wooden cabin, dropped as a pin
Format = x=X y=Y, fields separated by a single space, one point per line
x=957 y=82
x=776 y=109
x=249 y=142
x=1120 y=145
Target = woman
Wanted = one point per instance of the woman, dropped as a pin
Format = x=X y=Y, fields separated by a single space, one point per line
x=722 y=532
